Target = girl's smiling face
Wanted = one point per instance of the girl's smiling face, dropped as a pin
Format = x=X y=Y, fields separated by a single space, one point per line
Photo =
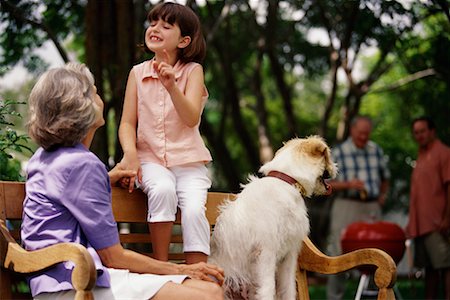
x=163 y=35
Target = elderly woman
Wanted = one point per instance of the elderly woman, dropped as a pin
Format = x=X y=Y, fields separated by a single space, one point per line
x=68 y=199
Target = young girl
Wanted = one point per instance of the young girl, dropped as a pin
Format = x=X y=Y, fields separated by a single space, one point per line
x=159 y=130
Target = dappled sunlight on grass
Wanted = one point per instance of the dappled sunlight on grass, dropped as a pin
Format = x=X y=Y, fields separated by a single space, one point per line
x=405 y=289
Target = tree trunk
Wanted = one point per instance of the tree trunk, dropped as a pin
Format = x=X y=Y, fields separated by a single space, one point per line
x=277 y=68
x=265 y=145
x=96 y=12
x=110 y=53
x=125 y=58
x=231 y=94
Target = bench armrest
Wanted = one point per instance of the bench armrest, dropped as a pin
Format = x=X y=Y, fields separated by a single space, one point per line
x=312 y=259
x=17 y=259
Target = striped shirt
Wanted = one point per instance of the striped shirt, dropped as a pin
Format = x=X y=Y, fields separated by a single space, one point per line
x=367 y=164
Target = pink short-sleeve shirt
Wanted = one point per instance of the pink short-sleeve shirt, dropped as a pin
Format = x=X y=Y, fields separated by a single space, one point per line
x=428 y=197
x=162 y=137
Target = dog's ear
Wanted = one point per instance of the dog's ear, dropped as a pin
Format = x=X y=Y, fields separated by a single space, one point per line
x=330 y=165
x=315 y=147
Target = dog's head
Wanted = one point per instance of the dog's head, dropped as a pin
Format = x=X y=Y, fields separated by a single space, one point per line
x=306 y=160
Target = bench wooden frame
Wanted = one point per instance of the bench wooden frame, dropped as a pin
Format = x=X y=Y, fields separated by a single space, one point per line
x=132 y=208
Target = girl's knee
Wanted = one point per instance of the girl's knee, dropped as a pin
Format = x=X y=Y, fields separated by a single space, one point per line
x=163 y=188
x=162 y=203
x=193 y=212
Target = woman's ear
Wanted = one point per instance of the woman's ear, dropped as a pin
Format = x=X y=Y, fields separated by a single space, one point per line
x=184 y=42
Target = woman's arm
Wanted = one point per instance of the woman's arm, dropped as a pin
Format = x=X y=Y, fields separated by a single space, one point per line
x=119 y=258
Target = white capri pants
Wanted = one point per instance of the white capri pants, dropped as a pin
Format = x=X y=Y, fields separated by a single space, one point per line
x=186 y=187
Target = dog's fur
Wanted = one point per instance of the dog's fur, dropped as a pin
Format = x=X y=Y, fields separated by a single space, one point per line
x=257 y=237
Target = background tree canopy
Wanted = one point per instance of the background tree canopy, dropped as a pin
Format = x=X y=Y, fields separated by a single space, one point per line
x=274 y=70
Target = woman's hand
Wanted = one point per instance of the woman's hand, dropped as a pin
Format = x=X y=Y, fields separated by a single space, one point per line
x=130 y=162
x=204 y=271
x=119 y=172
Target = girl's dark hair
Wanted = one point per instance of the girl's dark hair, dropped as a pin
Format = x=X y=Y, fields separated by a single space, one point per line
x=189 y=25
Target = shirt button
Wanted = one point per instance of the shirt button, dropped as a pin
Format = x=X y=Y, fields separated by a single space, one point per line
x=160 y=103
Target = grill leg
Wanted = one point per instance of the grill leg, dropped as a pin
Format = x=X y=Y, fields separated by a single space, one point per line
x=363 y=284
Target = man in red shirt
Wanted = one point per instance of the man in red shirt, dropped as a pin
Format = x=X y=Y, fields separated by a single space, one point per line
x=429 y=210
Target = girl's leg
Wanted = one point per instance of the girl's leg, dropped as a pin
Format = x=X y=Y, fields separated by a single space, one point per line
x=195 y=257
x=161 y=233
x=192 y=190
x=159 y=184
x=190 y=289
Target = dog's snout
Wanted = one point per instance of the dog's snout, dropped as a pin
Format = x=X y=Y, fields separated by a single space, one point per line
x=326 y=175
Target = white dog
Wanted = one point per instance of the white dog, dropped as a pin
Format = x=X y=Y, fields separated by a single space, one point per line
x=258 y=237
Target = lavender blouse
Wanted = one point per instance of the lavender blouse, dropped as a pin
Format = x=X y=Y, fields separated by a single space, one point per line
x=68 y=199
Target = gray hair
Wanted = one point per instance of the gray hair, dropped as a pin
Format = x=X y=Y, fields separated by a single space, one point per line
x=62 y=107
x=358 y=118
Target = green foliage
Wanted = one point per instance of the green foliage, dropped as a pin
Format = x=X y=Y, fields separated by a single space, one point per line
x=10 y=141
x=394 y=109
x=26 y=25
x=294 y=34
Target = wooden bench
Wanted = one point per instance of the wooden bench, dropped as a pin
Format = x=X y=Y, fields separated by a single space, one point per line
x=131 y=209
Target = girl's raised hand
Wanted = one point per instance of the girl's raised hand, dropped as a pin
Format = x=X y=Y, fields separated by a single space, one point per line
x=165 y=71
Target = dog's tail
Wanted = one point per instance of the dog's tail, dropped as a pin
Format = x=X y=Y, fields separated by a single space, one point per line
x=236 y=288
x=236 y=284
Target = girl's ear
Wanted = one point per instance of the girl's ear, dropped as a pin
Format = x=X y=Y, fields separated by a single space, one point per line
x=184 y=42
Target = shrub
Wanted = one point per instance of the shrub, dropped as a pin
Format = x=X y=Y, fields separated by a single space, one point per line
x=10 y=141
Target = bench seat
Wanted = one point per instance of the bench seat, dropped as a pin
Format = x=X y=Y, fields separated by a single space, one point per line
x=130 y=212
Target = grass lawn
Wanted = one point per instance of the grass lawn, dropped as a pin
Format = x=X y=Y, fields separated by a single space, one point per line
x=405 y=289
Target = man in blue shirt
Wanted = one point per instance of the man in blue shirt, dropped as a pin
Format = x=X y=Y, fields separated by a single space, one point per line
x=360 y=186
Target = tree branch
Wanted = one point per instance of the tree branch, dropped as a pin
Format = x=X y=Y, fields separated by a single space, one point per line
x=223 y=14
x=404 y=81
x=17 y=14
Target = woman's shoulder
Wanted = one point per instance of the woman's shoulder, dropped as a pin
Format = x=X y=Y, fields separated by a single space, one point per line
x=79 y=151
x=64 y=162
x=67 y=157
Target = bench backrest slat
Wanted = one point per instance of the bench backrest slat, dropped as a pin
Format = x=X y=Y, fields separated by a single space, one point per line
x=11 y=200
x=131 y=209
x=130 y=212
